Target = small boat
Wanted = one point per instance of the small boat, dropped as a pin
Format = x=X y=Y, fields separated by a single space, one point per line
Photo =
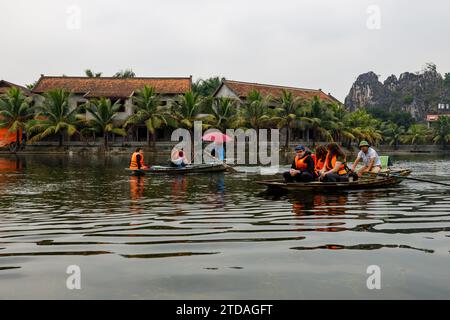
x=190 y=168
x=387 y=180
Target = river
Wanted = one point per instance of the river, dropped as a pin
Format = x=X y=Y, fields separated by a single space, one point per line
x=217 y=236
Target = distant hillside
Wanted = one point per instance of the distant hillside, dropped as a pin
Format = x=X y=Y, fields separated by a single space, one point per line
x=417 y=93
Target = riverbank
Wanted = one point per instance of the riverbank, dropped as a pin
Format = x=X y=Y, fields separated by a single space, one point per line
x=166 y=147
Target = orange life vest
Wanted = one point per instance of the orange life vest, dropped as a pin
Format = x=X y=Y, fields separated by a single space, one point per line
x=313 y=156
x=134 y=163
x=319 y=164
x=300 y=163
x=329 y=165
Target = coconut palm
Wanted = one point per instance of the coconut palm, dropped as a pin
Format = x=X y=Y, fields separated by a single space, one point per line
x=392 y=133
x=340 y=131
x=206 y=87
x=288 y=113
x=320 y=118
x=363 y=126
x=90 y=74
x=255 y=112
x=150 y=112
x=188 y=108
x=15 y=110
x=441 y=132
x=416 y=134
x=53 y=117
x=223 y=113
x=103 y=113
x=127 y=73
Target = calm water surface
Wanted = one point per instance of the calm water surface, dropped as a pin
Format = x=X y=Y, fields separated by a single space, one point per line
x=215 y=236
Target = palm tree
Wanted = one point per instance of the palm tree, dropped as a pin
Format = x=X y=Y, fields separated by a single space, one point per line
x=150 y=112
x=127 y=73
x=255 y=112
x=90 y=74
x=103 y=113
x=188 y=108
x=206 y=87
x=14 y=112
x=363 y=126
x=320 y=118
x=340 y=131
x=392 y=133
x=416 y=134
x=442 y=131
x=223 y=113
x=288 y=111
x=54 y=117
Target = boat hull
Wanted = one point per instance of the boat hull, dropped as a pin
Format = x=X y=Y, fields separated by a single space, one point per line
x=201 y=168
x=363 y=184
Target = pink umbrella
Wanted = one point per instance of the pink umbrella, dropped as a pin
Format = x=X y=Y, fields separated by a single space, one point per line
x=218 y=137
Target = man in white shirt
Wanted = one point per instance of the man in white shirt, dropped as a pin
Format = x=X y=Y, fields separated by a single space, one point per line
x=371 y=160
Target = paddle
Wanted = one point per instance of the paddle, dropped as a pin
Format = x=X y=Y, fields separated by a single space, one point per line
x=230 y=169
x=415 y=179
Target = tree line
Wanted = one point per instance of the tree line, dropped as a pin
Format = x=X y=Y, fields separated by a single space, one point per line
x=326 y=121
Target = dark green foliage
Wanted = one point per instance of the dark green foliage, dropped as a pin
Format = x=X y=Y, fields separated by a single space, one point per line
x=206 y=87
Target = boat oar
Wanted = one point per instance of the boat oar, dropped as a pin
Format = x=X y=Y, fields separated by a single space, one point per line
x=415 y=179
x=230 y=169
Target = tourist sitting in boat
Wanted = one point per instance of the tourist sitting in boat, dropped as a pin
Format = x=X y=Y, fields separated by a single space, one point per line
x=137 y=160
x=320 y=156
x=334 y=169
x=302 y=168
x=178 y=158
x=371 y=160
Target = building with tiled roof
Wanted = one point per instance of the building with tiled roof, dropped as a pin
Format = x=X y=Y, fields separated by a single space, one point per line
x=111 y=87
x=240 y=90
x=6 y=85
x=116 y=89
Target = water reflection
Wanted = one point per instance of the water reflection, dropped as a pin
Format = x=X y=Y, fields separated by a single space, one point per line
x=85 y=208
x=136 y=192
x=12 y=164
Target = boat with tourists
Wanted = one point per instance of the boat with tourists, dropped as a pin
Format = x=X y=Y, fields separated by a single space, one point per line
x=386 y=179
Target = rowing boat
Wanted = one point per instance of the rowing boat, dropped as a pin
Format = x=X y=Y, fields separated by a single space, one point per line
x=190 y=168
x=389 y=180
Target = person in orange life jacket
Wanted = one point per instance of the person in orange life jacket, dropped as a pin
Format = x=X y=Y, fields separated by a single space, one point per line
x=321 y=154
x=334 y=167
x=137 y=160
x=302 y=168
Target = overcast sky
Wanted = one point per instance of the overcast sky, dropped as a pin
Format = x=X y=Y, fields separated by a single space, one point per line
x=313 y=44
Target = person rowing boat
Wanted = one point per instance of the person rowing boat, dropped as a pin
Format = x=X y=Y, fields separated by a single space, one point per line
x=302 y=168
x=371 y=160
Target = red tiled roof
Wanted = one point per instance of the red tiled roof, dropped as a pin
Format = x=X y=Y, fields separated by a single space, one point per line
x=242 y=89
x=435 y=117
x=112 y=87
x=6 y=85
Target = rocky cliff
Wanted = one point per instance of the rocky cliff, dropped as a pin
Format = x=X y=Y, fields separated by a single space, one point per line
x=418 y=93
